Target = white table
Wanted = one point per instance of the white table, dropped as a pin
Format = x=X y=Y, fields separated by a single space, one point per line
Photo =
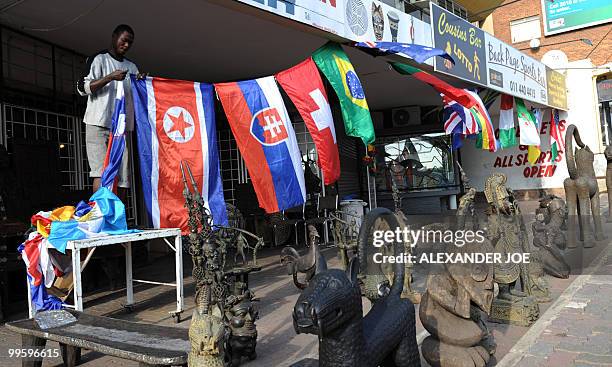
x=126 y=240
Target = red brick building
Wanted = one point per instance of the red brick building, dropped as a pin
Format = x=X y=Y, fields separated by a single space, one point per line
x=507 y=21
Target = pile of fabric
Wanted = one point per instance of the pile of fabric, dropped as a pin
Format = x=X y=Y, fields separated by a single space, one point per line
x=44 y=251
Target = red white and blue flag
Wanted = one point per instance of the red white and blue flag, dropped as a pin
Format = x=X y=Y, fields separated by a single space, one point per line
x=175 y=121
x=264 y=134
x=304 y=86
x=116 y=142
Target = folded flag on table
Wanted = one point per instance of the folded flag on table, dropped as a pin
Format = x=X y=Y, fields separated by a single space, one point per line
x=507 y=131
x=175 y=121
x=459 y=95
x=304 y=86
x=418 y=53
x=264 y=134
x=337 y=68
x=116 y=142
x=556 y=137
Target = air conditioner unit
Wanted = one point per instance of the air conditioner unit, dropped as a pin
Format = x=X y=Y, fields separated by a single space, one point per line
x=406 y=116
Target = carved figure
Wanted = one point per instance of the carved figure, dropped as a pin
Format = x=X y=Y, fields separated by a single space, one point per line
x=608 y=154
x=581 y=191
x=241 y=244
x=549 y=239
x=451 y=311
x=331 y=308
x=243 y=337
x=541 y=236
x=506 y=231
x=378 y=21
x=305 y=264
x=206 y=335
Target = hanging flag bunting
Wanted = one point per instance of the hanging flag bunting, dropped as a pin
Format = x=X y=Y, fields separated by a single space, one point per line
x=264 y=134
x=556 y=137
x=456 y=94
x=304 y=86
x=507 y=132
x=486 y=136
x=534 y=151
x=116 y=142
x=337 y=68
x=458 y=119
x=418 y=53
x=175 y=121
x=527 y=124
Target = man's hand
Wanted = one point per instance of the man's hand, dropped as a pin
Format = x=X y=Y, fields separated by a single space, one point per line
x=117 y=75
x=141 y=76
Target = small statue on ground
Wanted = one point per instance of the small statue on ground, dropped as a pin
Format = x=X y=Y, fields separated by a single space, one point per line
x=549 y=236
x=243 y=337
x=608 y=155
x=541 y=237
x=331 y=308
x=581 y=192
x=508 y=236
x=207 y=335
x=304 y=264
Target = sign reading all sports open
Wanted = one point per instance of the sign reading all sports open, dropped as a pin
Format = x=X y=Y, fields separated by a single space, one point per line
x=566 y=15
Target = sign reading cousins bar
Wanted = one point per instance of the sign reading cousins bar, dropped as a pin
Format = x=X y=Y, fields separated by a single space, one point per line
x=464 y=42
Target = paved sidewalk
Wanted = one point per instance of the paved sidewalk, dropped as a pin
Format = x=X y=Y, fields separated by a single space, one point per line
x=577 y=329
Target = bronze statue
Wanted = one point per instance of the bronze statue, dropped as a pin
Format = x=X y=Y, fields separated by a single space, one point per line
x=549 y=236
x=508 y=235
x=330 y=307
x=207 y=335
x=608 y=155
x=581 y=191
x=541 y=237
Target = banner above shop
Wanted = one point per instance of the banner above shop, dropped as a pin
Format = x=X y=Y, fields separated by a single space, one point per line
x=511 y=71
x=567 y=15
x=325 y=15
x=556 y=89
x=464 y=42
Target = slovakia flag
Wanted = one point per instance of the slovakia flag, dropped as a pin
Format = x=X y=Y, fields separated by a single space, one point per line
x=116 y=142
x=304 y=86
x=175 y=121
x=264 y=134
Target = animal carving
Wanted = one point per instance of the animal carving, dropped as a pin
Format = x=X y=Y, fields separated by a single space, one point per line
x=207 y=334
x=331 y=308
x=581 y=191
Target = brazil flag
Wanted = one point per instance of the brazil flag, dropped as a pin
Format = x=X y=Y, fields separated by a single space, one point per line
x=336 y=66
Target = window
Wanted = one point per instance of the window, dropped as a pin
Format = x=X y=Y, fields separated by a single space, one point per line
x=525 y=29
x=453 y=7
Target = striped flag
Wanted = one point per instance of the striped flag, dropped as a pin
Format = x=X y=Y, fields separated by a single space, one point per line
x=486 y=137
x=556 y=138
x=507 y=132
x=116 y=142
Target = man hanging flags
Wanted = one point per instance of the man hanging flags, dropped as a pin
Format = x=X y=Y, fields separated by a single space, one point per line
x=556 y=137
x=116 y=142
x=176 y=122
x=507 y=132
x=304 y=86
x=336 y=66
x=264 y=134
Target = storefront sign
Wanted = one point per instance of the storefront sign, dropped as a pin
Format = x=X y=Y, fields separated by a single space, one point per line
x=464 y=42
x=512 y=162
x=368 y=20
x=604 y=90
x=327 y=15
x=555 y=86
x=566 y=15
x=512 y=72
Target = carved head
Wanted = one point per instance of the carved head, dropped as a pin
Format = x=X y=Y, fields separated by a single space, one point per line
x=331 y=300
x=378 y=21
x=498 y=195
x=242 y=318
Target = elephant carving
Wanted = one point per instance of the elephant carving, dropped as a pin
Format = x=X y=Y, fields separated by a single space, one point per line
x=581 y=191
x=608 y=154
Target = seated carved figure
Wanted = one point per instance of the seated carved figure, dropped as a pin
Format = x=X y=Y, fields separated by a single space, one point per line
x=581 y=191
x=331 y=308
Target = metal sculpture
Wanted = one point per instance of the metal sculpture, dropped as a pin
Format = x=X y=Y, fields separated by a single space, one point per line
x=304 y=264
x=331 y=308
x=549 y=236
x=608 y=155
x=506 y=231
x=220 y=330
x=581 y=192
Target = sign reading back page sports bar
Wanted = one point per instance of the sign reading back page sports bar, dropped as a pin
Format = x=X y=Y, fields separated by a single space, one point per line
x=464 y=42
x=512 y=72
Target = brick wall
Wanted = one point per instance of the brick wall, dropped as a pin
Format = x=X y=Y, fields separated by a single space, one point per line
x=574 y=50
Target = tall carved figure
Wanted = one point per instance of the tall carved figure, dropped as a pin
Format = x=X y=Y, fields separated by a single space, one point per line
x=581 y=191
x=608 y=154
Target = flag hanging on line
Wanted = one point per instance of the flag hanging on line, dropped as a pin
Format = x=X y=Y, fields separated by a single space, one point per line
x=264 y=134
x=486 y=136
x=458 y=119
x=176 y=122
x=556 y=137
x=507 y=132
x=304 y=86
x=456 y=94
x=116 y=142
x=337 y=68
x=418 y=53
x=527 y=124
